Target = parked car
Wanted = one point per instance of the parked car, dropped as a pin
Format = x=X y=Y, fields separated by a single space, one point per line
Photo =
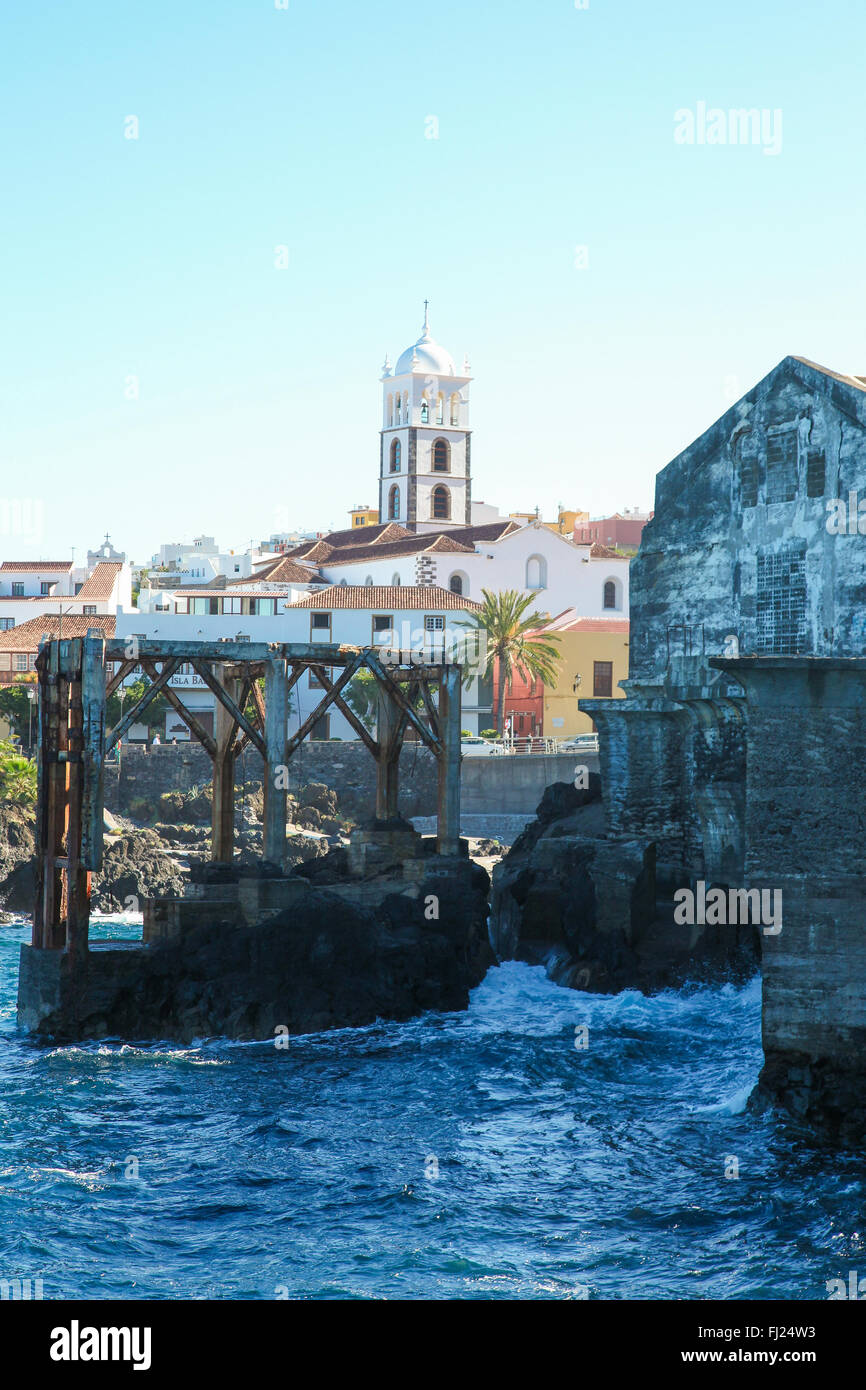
x=581 y=743
x=476 y=747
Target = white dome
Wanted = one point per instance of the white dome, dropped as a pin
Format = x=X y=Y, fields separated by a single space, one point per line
x=430 y=357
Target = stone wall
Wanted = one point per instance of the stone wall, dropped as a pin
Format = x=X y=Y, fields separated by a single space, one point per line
x=489 y=786
x=345 y=766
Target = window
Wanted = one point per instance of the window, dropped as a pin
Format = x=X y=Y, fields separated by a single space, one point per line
x=233 y=605
x=609 y=598
x=6 y=624
x=455 y=409
x=395 y=455
x=20 y=661
x=782 y=467
x=394 y=503
x=315 y=683
x=89 y=610
x=780 y=609
x=425 y=411
x=322 y=727
x=434 y=622
x=17 y=590
x=395 y=581
x=455 y=584
x=344 y=583
x=383 y=630
x=441 y=456
x=397 y=410
x=181 y=605
x=440 y=409
x=368 y=582
x=320 y=626
x=536 y=572
x=602 y=678
x=390 y=416
x=816 y=467
x=441 y=509
x=46 y=586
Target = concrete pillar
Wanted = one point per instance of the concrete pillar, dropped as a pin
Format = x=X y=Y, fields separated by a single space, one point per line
x=806 y=838
x=276 y=772
x=448 y=823
x=387 y=766
x=223 y=811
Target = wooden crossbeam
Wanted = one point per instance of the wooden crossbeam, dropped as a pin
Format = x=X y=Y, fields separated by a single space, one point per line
x=348 y=713
x=397 y=695
x=189 y=719
x=229 y=706
x=169 y=669
x=347 y=674
x=432 y=713
x=126 y=669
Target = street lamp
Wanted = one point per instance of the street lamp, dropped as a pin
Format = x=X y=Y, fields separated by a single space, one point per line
x=31 y=700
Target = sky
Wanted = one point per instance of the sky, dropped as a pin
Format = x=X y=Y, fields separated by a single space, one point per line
x=194 y=320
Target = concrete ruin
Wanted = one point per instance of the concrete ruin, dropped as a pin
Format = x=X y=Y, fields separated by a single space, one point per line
x=394 y=925
x=738 y=748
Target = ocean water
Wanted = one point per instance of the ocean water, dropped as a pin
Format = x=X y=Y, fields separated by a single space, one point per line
x=479 y=1155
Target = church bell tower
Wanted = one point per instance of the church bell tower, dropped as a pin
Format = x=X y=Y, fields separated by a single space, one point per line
x=424 y=453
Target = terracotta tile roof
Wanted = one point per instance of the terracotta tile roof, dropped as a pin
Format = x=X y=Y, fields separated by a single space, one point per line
x=604 y=552
x=416 y=545
x=27 y=635
x=101 y=583
x=386 y=597
x=569 y=620
x=284 y=570
x=338 y=540
x=33 y=566
x=621 y=625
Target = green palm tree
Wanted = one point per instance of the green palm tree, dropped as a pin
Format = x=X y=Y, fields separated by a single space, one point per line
x=17 y=776
x=513 y=644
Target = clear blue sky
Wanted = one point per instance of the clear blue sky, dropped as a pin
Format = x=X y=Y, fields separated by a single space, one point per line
x=260 y=127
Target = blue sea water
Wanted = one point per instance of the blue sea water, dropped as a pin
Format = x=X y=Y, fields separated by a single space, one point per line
x=475 y=1155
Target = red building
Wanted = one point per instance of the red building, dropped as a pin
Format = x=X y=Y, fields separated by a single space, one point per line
x=621 y=529
x=524 y=704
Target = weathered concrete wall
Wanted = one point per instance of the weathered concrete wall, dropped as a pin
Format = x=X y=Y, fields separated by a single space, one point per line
x=744 y=568
x=515 y=784
x=806 y=837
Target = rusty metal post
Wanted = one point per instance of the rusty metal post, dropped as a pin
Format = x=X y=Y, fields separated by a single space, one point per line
x=276 y=770
x=77 y=877
x=57 y=714
x=448 y=807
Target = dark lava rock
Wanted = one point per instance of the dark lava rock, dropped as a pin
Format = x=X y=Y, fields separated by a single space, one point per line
x=325 y=963
x=17 y=849
x=318 y=797
x=595 y=912
x=134 y=866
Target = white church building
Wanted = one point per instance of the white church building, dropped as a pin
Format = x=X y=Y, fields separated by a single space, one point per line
x=421 y=569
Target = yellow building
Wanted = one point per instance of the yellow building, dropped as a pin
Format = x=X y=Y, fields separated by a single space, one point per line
x=364 y=516
x=594 y=654
x=563 y=526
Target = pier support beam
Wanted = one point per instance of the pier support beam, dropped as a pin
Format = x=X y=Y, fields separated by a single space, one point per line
x=223 y=809
x=276 y=770
x=389 y=731
x=448 y=809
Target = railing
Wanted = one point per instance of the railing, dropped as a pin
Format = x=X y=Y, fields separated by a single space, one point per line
x=536 y=743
